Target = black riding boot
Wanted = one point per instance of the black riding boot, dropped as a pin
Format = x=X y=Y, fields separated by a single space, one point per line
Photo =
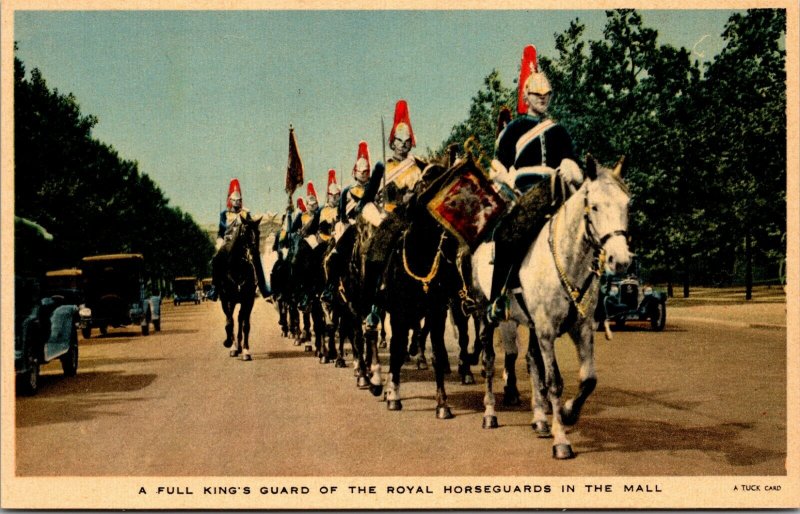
x=499 y=303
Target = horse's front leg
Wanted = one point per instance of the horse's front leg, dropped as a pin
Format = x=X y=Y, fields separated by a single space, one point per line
x=554 y=384
x=464 y=359
x=487 y=341
x=305 y=337
x=228 y=310
x=340 y=325
x=244 y=329
x=373 y=360
x=436 y=323
x=583 y=337
x=398 y=348
x=237 y=346
x=508 y=335
x=539 y=403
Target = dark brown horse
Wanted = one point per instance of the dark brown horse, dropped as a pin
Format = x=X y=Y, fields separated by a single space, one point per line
x=237 y=258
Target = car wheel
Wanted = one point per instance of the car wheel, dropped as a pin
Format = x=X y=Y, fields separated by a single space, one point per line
x=86 y=332
x=659 y=319
x=103 y=330
x=157 y=325
x=69 y=361
x=28 y=382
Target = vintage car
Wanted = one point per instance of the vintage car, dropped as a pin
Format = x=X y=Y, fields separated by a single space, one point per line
x=66 y=284
x=45 y=330
x=206 y=288
x=114 y=293
x=626 y=298
x=185 y=290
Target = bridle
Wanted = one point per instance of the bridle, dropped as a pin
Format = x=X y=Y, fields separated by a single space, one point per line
x=578 y=295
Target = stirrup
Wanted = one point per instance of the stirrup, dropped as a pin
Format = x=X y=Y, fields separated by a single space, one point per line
x=499 y=309
x=373 y=319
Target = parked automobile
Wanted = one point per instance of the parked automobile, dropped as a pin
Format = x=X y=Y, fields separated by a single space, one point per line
x=47 y=332
x=45 y=313
x=114 y=293
x=185 y=290
x=206 y=288
x=626 y=298
x=65 y=283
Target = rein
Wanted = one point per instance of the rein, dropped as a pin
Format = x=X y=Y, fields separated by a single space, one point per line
x=578 y=296
x=426 y=280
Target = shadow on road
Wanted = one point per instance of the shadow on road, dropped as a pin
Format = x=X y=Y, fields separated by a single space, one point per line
x=57 y=403
x=635 y=435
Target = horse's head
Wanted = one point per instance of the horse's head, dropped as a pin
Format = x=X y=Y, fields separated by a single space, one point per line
x=242 y=238
x=606 y=203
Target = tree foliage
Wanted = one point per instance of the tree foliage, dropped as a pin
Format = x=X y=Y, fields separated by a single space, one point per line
x=706 y=150
x=90 y=200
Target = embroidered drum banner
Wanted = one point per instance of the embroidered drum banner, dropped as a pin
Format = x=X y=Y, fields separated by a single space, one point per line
x=468 y=207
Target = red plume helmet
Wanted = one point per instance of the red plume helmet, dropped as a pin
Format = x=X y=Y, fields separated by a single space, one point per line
x=333 y=187
x=362 y=159
x=301 y=205
x=310 y=191
x=529 y=65
x=402 y=122
x=234 y=187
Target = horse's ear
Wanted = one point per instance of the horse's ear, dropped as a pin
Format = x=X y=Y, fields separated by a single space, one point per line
x=591 y=167
x=619 y=167
x=257 y=221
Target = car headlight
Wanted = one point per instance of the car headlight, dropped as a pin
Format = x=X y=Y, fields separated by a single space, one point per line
x=648 y=291
x=614 y=291
x=85 y=312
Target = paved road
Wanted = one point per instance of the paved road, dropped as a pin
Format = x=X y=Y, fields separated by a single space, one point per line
x=699 y=398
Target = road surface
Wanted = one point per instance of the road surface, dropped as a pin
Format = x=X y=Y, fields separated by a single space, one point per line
x=705 y=397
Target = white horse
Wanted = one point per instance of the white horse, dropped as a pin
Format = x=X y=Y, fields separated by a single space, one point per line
x=559 y=279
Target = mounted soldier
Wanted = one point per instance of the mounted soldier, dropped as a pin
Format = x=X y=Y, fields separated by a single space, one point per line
x=329 y=215
x=351 y=195
x=307 y=222
x=385 y=199
x=234 y=210
x=531 y=153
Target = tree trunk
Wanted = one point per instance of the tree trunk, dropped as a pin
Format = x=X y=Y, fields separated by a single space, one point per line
x=748 y=274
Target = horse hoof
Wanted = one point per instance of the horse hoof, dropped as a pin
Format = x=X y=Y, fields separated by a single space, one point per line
x=468 y=379
x=394 y=405
x=444 y=413
x=309 y=348
x=382 y=344
x=246 y=357
x=490 y=422
x=483 y=373
x=511 y=398
x=362 y=383
x=423 y=365
x=323 y=359
x=542 y=429
x=234 y=353
x=340 y=363
x=297 y=342
x=376 y=390
x=563 y=451
x=227 y=344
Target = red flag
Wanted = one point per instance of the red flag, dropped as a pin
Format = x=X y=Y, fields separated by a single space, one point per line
x=294 y=170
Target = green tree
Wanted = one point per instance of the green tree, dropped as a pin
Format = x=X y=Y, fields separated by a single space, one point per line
x=481 y=122
x=86 y=196
x=744 y=141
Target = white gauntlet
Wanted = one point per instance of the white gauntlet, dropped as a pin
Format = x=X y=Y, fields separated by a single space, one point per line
x=570 y=172
x=372 y=214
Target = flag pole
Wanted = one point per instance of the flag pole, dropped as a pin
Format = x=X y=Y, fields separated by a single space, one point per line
x=383 y=141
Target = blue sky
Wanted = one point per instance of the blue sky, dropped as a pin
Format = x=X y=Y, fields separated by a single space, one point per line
x=200 y=97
